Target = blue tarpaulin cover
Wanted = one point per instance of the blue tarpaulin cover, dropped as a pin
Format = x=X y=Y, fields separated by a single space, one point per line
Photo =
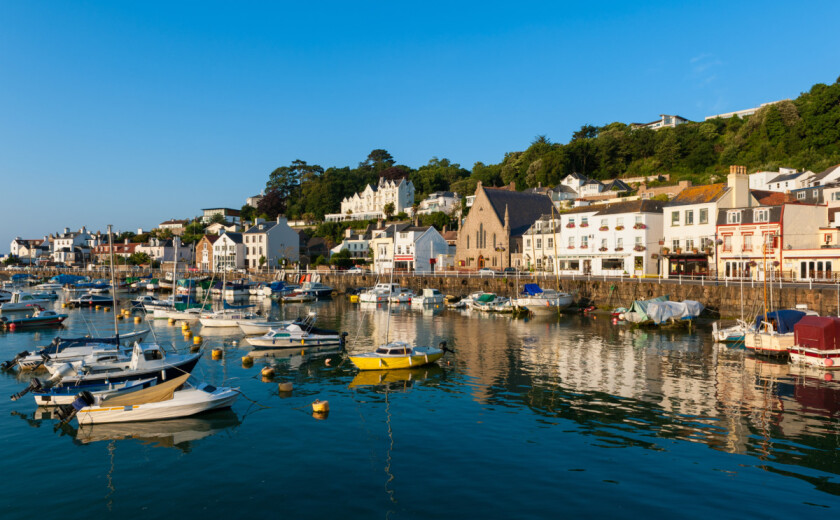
x=785 y=320
x=532 y=289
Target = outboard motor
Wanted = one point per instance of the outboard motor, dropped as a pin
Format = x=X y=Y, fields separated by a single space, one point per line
x=34 y=386
x=342 y=340
x=443 y=347
x=8 y=365
x=66 y=412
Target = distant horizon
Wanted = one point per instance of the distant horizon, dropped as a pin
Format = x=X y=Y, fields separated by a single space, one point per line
x=134 y=114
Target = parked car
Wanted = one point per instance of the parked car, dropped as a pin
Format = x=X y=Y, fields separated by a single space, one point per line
x=356 y=270
x=510 y=270
x=486 y=271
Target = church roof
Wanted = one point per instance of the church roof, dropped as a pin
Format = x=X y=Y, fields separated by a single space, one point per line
x=522 y=208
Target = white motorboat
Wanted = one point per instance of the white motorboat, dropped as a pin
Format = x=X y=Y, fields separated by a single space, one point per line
x=300 y=334
x=402 y=295
x=147 y=360
x=21 y=302
x=773 y=333
x=380 y=293
x=170 y=400
x=190 y=314
x=75 y=349
x=817 y=342
x=489 y=302
x=255 y=327
x=542 y=301
x=733 y=334
x=428 y=297
x=226 y=318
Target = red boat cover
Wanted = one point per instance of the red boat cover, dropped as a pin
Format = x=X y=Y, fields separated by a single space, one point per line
x=818 y=332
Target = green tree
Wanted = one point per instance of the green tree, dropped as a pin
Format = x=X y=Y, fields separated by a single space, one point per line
x=248 y=212
x=389 y=209
x=217 y=218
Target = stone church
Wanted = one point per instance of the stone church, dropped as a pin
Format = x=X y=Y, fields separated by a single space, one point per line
x=492 y=232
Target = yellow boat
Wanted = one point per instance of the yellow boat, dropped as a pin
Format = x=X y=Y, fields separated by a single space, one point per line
x=396 y=355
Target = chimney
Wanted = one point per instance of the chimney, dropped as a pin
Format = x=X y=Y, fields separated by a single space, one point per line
x=126 y=241
x=281 y=219
x=739 y=183
x=416 y=221
x=348 y=232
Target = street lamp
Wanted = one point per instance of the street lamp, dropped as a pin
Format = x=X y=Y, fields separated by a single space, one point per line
x=500 y=250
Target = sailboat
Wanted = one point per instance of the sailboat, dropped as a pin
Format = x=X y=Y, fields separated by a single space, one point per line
x=397 y=354
x=737 y=332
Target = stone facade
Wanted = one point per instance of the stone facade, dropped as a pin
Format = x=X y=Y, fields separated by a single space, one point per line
x=492 y=231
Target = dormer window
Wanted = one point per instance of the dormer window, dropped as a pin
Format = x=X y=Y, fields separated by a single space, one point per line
x=761 y=215
x=733 y=217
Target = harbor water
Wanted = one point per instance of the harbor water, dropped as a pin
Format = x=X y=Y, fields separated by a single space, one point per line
x=537 y=418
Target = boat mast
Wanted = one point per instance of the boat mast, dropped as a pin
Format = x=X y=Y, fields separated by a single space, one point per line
x=390 y=292
x=764 y=254
x=113 y=282
x=554 y=241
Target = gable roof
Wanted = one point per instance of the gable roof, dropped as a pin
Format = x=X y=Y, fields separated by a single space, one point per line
x=699 y=194
x=236 y=238
x=617 y=185
x=211 y=238
x=522 y=208
x=631 y=206
x=823 y=174
x=785 y=177
x=266 y=226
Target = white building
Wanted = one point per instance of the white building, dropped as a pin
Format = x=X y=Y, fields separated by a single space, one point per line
x=743 y=113
x=357 y=243
x=229 y=214
x=690 y=224
x=253 y=201
x=415 y=246
x=445 y=201
x=273 y=240
x=27 y=250
x=539 y=247
x=664 y=121
x=371 y=202
x=610 y=239
x=228 y=252
x=163 y=250
x=71 y=247
x=174 y=225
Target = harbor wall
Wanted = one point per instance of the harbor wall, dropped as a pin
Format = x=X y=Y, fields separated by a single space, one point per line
x=717 y=296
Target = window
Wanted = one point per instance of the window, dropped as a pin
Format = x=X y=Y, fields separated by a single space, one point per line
x=761 y=215
x=638 y=219
x=747 y=242
x=604 y=222
x=704 y=215
x=675 y=218
x=550 y=242
x=571 y=242
x=733 y=217
x=527 y=242
x=604 y=244
x=539 y=243
x=675 y=244
x=584 y=242
x=619 y=244
x=689 y=217
x=800 y=195
x=689 y=244
x=612 y=264
x=639 y=241
x=619 y=222
x=727 y=243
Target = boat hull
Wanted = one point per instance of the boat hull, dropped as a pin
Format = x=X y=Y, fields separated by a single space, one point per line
x=395 y=362
x=764 y=344
x=164 y=373
x=179 y=406
x=825 y=359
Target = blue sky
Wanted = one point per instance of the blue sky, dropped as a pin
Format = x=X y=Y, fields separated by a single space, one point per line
x=132 y=113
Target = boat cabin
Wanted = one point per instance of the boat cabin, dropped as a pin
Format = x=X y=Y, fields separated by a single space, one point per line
x=394 y=349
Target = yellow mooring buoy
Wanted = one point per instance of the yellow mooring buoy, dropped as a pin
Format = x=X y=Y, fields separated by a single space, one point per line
x=285 y=387
x=320 y=406
x=216 y=354
x=247 y=361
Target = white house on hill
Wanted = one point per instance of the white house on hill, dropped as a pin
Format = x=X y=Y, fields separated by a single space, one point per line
x=370 y=203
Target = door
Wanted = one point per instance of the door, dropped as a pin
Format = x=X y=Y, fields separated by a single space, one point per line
x=587 y=267
x=481 y=262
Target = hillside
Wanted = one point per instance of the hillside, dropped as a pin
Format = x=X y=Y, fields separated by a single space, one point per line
x=803 y=133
